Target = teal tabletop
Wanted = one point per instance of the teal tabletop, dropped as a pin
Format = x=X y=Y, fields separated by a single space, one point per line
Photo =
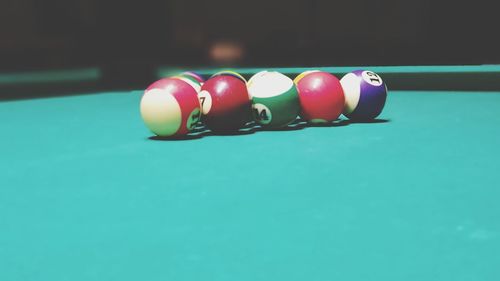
x=87 y=194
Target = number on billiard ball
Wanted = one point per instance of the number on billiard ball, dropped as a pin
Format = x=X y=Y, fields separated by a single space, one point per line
x=372 y=78
x=262 y=114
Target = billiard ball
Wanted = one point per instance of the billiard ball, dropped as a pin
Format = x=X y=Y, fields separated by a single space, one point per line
x=194 y=75
x=170 y=107
x=191 y=78
x=365 y=94
x=230 y=73
x=321 y=96
x=275 y=100
x=225 y=103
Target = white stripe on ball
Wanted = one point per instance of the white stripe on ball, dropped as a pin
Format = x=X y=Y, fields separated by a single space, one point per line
x=351 y=84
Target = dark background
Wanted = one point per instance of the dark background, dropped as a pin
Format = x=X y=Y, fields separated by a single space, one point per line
x=130 y=39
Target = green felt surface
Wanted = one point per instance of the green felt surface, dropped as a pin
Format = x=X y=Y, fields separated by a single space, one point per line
x=85 y=195
x=54 y=76
x=33 y=84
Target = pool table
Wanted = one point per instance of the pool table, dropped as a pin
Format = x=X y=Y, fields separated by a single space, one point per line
x=86 y=192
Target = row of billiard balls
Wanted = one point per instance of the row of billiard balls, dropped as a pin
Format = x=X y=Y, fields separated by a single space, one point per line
x=172 y=107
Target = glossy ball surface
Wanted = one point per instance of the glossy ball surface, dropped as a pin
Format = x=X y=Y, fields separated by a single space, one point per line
x=170 y=107
x=275 y=100
x=321 y=96
x=365 y=95
x=225 y=103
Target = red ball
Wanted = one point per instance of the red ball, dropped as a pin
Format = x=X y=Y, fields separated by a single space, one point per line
x=170 y=107
x=321 y=96
x=225 y=103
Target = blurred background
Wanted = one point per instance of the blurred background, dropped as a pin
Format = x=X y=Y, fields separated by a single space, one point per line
x=129 y=40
